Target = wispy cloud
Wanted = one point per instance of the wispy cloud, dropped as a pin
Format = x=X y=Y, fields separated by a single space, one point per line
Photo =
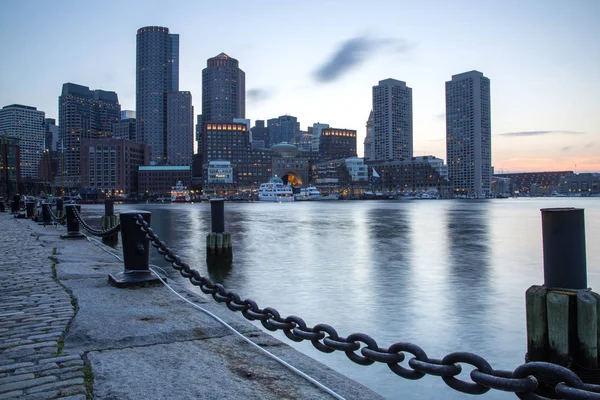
x=540 y=133
x=257 y=94
x=353 y=52
x=566 y=148
x=590 y=145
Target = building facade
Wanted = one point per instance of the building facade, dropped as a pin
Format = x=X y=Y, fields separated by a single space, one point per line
x=83 y=114
x=316 y=135
x=111 y=165
x=10 y=164
x=413 y=175
x=582 y=184
x=157 y=180
x=223 y=90
x=260 y=133
x=157 y=72
x=369 y=153
x=52 y=133
x=180 y=128
x=468 y=134
x=283 y=129
x=392 y=120
x=337 y=143
x=125 y=129
x=27 y=125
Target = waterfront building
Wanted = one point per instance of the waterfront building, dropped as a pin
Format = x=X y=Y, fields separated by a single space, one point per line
x=502 y=187
x=304 y=140
x=49 y=167
x=337 y=143
x=283 y=129
x=125 y=129
x=260 y=133
x=111 y=165
x=223 y=90
x=468 y=134
x=219 y=177
x=26 y=124
x=180 y=128
x=415 y=174
x=10 y=158
x=157 y=180
x=292 y=165
x=51 y=135
x=582 y=184
x=349 y=176
x=83 y=114
x=369 y=151
x=521 y=182
x=392 y=120
x=157 y=72
x=316 y=135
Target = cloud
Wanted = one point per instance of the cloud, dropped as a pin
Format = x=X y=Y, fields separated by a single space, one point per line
x=353 y=52
x=440 y=116
x=258 y=94
x=590 y=145
x=539 y=133
x=566 y=148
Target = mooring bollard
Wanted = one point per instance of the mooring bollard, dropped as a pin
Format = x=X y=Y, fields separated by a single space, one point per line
x=218 y=243
x=46 y=218
x=59 y=208
x=72 y=223
x=29 y=207
x=563 y=314
x=109 y=220
x=15 y=204
x=2 y=206
x=136 y=253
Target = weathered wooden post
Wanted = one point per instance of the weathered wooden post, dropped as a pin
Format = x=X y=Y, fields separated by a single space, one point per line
x=563 y=314
x=136 y=253
x=218 y=242
x=109 y=220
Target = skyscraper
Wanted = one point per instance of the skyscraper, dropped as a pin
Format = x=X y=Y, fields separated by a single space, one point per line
x=180 y=128
x=157 y=72
x=223 y=90
x=392 y=120
x=468 y=133
x=83 y=114
x=316 y=135
x=283 y=129
x=27 y=125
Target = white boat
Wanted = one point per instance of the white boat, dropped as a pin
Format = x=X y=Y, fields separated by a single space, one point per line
x=308 y=193
x=426 y=196
x=275 y=190
x=331 y=196
x=179 y=193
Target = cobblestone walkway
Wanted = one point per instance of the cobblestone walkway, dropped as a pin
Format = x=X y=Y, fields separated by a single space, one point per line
x=34 y=313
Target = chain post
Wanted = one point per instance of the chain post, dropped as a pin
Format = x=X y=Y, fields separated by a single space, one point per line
x=15 y=204
x=136 y=253
x=219 y=253
x=59 y=208
x=109 y=220
x=72 y=222
x=29 y=207
x=46 y=218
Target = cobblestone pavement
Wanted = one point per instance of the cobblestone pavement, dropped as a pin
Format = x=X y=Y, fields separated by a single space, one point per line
x=35 y=312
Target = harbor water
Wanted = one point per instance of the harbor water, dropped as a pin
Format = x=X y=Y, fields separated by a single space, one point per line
x=447 y=275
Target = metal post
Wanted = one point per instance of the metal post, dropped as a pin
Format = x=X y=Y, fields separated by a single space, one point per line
x=59 y=205
x=29 y=206
x=15 y=204
x=109 y=207
x=72 y=223
x=217 y=215
x=563 y=231
x=136 y=253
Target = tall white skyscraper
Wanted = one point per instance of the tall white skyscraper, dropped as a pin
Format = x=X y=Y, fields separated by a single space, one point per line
x=392 y=120
x=468 y=134
x=27 y=124
x=316 y=135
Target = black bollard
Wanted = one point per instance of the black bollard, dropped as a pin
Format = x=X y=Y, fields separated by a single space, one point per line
x=29 y=206
x=109 y=207
x=563 y=231
x=15 y=204
x=72 y=223
x=59 y=205
x=46 y=218
x=109 y=220
x=217 y=215
x=2 y=206
x=136 y=253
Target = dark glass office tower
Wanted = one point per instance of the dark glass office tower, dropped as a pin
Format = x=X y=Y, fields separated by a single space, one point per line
x=223 y=90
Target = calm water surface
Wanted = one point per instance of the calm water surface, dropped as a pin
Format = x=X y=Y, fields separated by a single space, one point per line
x=448 y=275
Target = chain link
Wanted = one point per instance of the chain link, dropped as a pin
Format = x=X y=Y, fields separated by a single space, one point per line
x=96 y=232
x=325 y=338
x=55 y=218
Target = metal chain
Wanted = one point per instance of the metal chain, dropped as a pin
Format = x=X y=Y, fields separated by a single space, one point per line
x=364 y=350
x=55 y=218
x=96 y=232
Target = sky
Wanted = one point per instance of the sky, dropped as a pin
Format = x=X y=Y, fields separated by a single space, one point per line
x=318 y=61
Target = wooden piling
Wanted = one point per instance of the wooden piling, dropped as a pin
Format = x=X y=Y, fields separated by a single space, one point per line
x=537 y=328
x=557 y=307
x=587 y=330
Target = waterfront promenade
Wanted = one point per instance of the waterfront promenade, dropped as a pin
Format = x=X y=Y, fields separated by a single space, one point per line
x=66 y=333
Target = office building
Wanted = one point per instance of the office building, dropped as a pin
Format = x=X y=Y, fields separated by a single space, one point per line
x=316 y=135
x=10 y=164
x=223 y=90
x=392 y=120
x=283 y=129
x=111 y=165
x=337 y=143
x=260 y=133
x=413 y=175
x=26 y=124
x=128 y=114
x=157 y=72
x=83 y=114
x=125 y=129
x=51 y=135
x=157 y=180
x=369 y=153
x=180 y=128
x=468 y=134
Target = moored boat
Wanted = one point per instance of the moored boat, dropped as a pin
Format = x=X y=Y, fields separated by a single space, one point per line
x=179 y=193
x=308 y=193
x=275 y=190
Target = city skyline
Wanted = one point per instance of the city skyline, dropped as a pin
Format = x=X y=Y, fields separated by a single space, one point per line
x=541 y=57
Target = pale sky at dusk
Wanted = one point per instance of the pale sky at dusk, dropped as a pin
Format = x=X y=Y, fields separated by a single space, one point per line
x=542 y=57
